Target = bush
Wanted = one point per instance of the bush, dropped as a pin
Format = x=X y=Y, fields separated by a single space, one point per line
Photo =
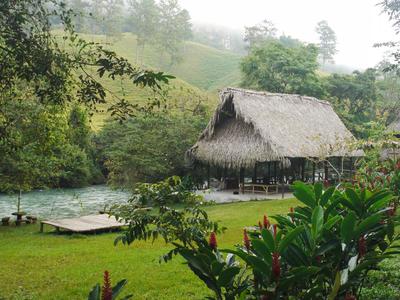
x=321 y=250
x=172 y=190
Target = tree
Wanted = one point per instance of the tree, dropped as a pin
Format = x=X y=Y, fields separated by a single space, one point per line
x=327 y=41
x=81 y=9
x=148 y=148
x=257 y=34
x=144 y=19
x=107 y=17
x=174 y=29
x=278 y=69
x=355 y=98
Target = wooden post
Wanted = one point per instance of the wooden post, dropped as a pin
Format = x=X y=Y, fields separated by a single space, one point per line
x=351 y=168
x=241 y=179
x=208 y=176
x=255 y=173
x=303 y=166
x=41 y=226
x=282 y=181
x=276 y=172
x=326 y=170
x=313 y=172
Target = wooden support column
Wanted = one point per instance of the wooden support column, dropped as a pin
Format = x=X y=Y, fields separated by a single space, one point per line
x=241 y=179
x=303 y=166
x=326 y=170
x=313 y=172
x=255 y=173
x=282 y=180
x=276 y=172
x=208 y=176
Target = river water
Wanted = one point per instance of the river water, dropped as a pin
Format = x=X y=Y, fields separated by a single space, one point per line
x=58 y=203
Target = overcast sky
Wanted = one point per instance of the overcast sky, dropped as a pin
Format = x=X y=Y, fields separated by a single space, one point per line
x=358 y=23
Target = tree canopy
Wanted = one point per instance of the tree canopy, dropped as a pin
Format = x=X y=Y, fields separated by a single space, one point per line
x=279 y=69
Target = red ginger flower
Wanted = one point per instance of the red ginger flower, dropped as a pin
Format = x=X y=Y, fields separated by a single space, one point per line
x=291 y=212
x=275 y=230
x=362 y=247
x=392 y=210
x=106 y=290
x=260 y=225
x=266 y=222
x=246 y=240
x=276 y=265
x=350 y=296
x=398 y=165
x=326 y=183
x=213 y=241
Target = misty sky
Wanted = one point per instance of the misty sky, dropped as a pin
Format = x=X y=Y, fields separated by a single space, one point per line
x=358 y=23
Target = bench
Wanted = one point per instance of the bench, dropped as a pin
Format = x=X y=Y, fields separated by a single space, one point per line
x=259 y=188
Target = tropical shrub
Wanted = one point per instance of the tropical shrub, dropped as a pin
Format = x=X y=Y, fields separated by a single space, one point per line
x=172 y=190
x=185 y=229
x=323 y=249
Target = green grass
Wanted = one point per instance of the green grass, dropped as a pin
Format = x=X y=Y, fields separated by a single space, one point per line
x=201 y=66
x=50 y=266
x=203 y=71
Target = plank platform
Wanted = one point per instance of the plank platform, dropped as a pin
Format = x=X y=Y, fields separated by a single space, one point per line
x=84 y=224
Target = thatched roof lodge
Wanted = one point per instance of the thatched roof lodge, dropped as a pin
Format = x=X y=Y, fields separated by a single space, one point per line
x=251 y=127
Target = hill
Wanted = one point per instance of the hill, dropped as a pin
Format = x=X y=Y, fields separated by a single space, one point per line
x=198 y=77
x=204 y=67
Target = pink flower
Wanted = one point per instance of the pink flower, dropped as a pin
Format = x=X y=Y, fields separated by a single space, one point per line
x=106 y=290
x=213 y=241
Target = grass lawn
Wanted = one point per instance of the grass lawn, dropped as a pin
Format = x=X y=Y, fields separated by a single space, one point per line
x=50 y=266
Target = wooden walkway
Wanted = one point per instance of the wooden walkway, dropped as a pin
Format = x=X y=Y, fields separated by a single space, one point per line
x=84 y=224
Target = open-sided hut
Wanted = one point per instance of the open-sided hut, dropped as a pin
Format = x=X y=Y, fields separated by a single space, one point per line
x=391 y=147
x=275 y=137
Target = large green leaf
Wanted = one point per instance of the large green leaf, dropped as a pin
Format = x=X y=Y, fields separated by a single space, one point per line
x=304 y=193
x=227 y=276
x=326 y=196
x=317 y=219
x=381 y=202
x=381 y=194
x=347 y=228
x=289 y=237
x=318 y=188
x=117 y=289
x=262 y=249
x=268 y=239
x=367 y=224
x=355 y=200
x=331 y=222
x=95 y=293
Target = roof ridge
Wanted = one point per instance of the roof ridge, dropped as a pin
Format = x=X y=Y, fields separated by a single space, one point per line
x=268 y=94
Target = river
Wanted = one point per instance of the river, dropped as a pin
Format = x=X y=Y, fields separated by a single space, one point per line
x=58 y=203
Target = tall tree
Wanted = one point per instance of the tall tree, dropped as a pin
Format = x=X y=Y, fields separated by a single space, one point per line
x=174 y=29
x=279 y=69
x=257 y=34
x=107 y=16
x=144 y=18
x=327 y=41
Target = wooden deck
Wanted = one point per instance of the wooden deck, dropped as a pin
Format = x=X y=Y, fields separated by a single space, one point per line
x=84 y=224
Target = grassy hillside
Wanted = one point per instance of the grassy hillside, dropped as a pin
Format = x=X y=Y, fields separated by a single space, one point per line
x=202 y=72
x=202 y=66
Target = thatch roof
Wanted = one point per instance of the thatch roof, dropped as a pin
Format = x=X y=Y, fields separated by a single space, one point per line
x=250 y=127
